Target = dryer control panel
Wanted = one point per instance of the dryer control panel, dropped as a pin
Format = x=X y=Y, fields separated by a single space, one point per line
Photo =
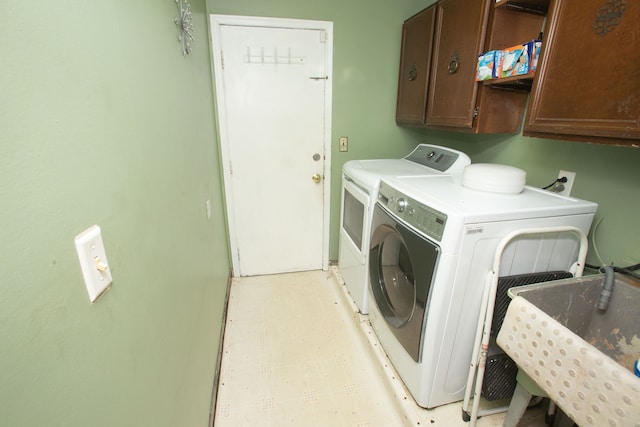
x=421 y=217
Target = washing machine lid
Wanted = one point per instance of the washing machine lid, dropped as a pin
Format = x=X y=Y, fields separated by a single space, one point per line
x=447 y=194
x=367 y=173
x=425 y=159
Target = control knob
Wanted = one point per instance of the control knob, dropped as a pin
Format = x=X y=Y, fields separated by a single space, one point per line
x=401 y=205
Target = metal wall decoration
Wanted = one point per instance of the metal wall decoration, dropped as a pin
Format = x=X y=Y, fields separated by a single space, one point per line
x=609 y=16
x=185 y=25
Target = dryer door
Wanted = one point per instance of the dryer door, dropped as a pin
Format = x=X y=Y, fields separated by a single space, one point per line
x=402 y=265
x=353 y=216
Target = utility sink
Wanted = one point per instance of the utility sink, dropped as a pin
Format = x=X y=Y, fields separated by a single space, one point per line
x=581 y=356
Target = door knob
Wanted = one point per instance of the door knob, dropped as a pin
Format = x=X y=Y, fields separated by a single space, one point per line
x=316 y=178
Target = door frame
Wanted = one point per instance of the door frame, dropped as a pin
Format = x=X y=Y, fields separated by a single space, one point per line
x=215 y=23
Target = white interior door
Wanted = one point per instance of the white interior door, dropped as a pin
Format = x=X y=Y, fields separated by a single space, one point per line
x=273 y=94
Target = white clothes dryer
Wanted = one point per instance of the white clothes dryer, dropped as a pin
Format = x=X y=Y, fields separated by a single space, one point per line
x=360 y=182
x=432 y=246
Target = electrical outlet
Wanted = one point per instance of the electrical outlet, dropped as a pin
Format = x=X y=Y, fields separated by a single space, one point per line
x=564 y=188
x=344 y=143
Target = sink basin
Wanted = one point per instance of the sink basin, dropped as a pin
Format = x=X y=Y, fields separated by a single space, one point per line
x=582 y=357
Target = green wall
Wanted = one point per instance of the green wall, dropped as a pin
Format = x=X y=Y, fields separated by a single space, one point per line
x=607 y=175
x=103 y=121
x=365 y=66
x=366 y=55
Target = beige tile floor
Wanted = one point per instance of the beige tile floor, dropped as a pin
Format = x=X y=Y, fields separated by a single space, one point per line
x=296 y=352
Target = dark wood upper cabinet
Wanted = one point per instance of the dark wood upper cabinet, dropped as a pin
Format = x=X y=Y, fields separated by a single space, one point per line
x=415 y=64
x=459 y=38
x=588 y=82
x=452 y=33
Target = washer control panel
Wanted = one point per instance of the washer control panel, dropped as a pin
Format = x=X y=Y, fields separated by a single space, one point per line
x=419 y=216
x=439 y=158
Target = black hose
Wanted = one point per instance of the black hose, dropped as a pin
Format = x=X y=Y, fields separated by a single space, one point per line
x=563 y=179
x=629 y=270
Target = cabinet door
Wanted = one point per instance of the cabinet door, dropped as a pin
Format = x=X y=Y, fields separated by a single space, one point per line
x=415 y=62
x=588 y=83
x=459 y=38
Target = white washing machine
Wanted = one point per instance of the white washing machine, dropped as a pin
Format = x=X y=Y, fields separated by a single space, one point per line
x=360 y=182
x=432 y=246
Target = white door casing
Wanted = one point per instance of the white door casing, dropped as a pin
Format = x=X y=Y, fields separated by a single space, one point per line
x=273 y=95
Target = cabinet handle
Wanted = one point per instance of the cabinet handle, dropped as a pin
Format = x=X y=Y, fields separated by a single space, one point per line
x=454 y=62
x=453 y=66
x=413 y=72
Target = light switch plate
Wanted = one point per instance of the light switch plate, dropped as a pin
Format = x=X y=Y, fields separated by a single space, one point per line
x=344 y=143
x=93 y=261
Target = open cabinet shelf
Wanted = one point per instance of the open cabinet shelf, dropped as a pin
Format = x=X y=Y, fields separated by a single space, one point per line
x=519 y=83
x=539 y=7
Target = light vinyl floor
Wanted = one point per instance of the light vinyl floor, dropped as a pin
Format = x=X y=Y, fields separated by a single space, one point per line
x=297 y=353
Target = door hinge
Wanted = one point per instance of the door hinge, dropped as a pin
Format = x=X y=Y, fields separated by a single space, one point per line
x=475 y=112
x=323 y=36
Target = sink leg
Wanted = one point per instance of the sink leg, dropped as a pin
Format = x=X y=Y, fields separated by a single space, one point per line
x=519 y=402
